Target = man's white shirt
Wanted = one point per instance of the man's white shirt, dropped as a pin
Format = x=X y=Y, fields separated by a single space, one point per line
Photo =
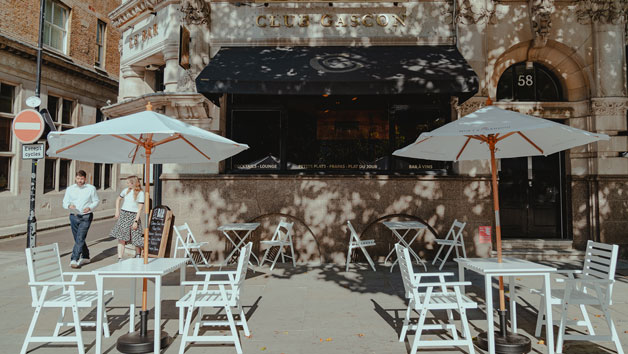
x=81 y=197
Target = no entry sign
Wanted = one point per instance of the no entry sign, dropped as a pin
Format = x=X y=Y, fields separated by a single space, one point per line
x=28 y=126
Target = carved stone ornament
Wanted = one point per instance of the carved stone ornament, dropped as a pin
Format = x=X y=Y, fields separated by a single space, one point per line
x=602 y=11
x=196 y=12
x=470 y=14
x=130 y=10
x=541 y=19
x=186 y=82
x=609 y=106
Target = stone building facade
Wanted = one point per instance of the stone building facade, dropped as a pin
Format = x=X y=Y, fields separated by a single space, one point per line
x=217 y=64
x=80 y=69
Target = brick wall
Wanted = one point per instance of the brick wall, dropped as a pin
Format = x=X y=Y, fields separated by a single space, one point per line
x=20 y=20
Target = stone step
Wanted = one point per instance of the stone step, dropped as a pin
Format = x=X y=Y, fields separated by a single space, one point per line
x=546 y=254
x=537 y=243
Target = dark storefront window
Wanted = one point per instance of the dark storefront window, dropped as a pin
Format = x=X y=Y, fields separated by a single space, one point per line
x=332 y=134
x=522 y=82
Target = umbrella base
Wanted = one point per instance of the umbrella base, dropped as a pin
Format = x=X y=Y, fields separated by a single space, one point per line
x=510 y=344
x=135 y=343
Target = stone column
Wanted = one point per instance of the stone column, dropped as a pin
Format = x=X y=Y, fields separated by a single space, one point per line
x=172 y=70
x=131 y=82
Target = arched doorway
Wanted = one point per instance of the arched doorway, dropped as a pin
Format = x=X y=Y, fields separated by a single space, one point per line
x=531 y=189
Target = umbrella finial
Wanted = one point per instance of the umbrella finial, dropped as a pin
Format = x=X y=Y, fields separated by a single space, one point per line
x=149 y=107
x=489 y=101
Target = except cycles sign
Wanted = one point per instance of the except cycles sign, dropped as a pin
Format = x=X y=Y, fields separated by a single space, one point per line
x=28 y=126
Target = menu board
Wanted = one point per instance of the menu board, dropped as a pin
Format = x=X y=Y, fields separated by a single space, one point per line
x=159 y=229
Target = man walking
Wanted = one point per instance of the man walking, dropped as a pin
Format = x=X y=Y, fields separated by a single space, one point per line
x=80 y=199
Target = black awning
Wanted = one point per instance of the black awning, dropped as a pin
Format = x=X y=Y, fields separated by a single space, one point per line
x=387 y=70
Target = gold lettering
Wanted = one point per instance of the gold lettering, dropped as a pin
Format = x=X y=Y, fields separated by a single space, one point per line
x=367 y=17
x=258 y=21
x=304 y=20
x=273 y=21
x=399 y=20
x=382 y=20
x=340 y=22
x=355 y=21
x=288 y=20
x=324 y=23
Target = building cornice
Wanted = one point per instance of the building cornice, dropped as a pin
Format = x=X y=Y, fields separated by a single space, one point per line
x=185 y=105
x=53 y=60
x=132 y=11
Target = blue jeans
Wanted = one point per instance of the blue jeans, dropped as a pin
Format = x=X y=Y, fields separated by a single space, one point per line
x=80 y=226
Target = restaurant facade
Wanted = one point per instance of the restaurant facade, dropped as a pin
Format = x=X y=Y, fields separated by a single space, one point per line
x=324 y=92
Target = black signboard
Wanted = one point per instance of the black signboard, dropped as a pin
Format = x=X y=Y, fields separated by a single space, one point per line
x=159 y=229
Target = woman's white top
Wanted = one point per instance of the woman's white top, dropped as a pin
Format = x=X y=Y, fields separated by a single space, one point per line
x=129 y=203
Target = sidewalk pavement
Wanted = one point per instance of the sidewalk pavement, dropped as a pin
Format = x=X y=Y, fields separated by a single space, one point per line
x=309 y=309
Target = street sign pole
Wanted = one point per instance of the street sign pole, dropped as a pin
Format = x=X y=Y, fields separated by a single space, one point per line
x=31 y=240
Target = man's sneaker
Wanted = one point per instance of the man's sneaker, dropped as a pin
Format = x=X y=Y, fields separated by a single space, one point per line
x=74 y=264
x=83 y=261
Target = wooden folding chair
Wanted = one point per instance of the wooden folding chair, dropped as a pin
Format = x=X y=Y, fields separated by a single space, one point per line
x=221 y=294
x=355 y=242
x=188 y=244
x=593 y=287
x=281 y=238
x=432 y=300
x=49 y=289
x=453 y=240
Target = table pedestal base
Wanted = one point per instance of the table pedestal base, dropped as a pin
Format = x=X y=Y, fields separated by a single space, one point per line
x=142 y=341
x=505 y=343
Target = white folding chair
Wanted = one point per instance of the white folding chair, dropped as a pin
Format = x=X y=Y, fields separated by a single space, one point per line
x=593 y=287
x=452 y=241
x=187 y=244
x=432 y=300
x=281 y=238
x=355 y=242
x=50 y=289
x=221 y=294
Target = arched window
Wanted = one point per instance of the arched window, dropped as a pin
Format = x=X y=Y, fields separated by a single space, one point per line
x=521 y=83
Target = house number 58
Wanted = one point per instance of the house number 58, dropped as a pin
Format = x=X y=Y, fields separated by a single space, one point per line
x=525 y=80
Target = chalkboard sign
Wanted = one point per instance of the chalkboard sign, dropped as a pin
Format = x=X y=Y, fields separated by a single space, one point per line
x=159 y=229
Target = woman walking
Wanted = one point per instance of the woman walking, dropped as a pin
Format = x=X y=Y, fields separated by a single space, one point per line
x=128 y=228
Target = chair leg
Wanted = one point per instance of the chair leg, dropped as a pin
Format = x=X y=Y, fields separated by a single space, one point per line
x=446 y=257
x=186 y=329
x=59 y=322
x=245 y=326
x=234 y=330
x=437 y=253
x=31 y=328
x=611 y=326
x=294 y=261
x=406 y=323
x=279 y=250
x=563 y=320
x=265 y=254
x=77 y=328
x=105 y=323
x=465 y=330
x=348 y=259
x=419 y=330
x=585 y=315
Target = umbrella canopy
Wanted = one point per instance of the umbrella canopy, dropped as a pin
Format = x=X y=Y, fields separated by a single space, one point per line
x=518 y=135
x=118 y=140
x=491 y=133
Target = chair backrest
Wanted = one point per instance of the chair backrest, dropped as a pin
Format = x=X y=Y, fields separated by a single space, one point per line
x=243 y=264
x=283 y=231
x=44 y=264
x=452 y=233
x=600 y=262
x=184 y=229
x=407 y=273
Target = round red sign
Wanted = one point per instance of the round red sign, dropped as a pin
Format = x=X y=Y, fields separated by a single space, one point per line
x=28 y=126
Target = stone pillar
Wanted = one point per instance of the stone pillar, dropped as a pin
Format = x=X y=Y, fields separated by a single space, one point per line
x=131 y=82
x=172 y=70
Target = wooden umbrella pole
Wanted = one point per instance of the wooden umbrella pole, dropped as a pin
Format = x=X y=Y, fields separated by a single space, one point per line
x=498 y=230
x=146 y=213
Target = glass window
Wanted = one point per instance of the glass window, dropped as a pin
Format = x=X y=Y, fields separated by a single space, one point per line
x=53 y=108
x=5 y=169
x=108 y=176
x=64 y=173
x=7 y=94
x=99 y=116
x=66 y=112
x=50 y=172
x=535 y=83
x=100 y=43
x=259 y=129
x=55 y=25
x=5 y=134
x=97 y=175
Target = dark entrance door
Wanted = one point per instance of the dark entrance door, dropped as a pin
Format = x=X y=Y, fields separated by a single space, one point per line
x=530 y=196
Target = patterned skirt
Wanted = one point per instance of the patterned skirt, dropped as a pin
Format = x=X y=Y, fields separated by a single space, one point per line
x=123 y=229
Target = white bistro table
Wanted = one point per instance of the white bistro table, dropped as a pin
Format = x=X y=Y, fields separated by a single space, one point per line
x=240 y=232
x=401 y=229
x=135 y=268
x=510 y=268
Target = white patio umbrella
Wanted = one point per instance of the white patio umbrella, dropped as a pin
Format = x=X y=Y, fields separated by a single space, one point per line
x=142 y=138
x=492 y=133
